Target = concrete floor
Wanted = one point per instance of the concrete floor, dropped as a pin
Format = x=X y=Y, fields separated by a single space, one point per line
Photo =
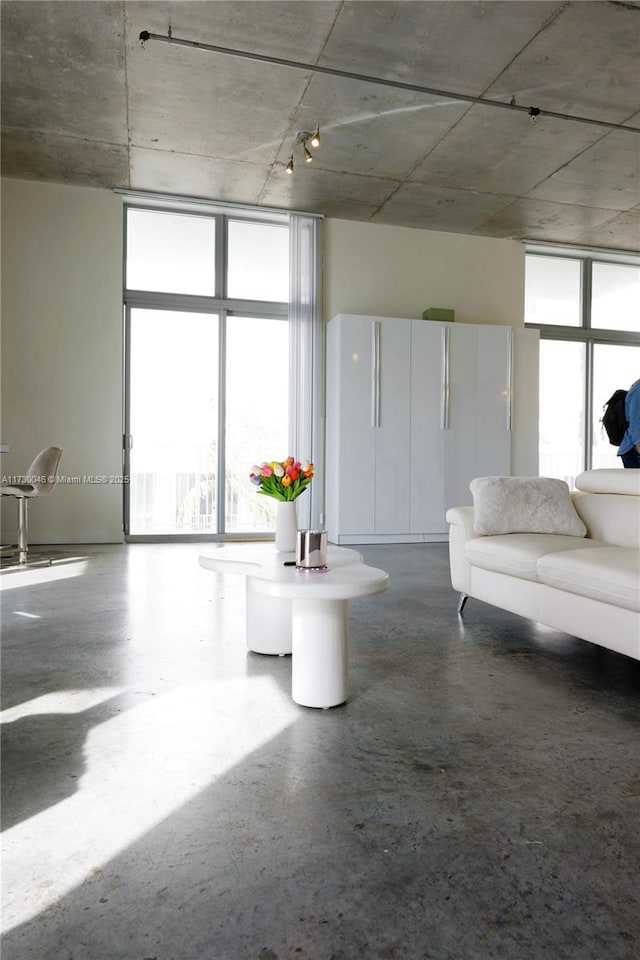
x=478 y=797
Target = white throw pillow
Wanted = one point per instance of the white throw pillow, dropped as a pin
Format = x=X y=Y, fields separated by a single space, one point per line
x=524 y=505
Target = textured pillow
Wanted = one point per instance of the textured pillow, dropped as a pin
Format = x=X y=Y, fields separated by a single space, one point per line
x=524 y=505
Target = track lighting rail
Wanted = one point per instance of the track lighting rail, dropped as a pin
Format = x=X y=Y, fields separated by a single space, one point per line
x=533 y=112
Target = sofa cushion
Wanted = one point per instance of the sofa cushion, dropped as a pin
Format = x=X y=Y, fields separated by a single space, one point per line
x=611 y=517
x=517 y=554
x=524 y=505
x=607 y=573
x=610 y=480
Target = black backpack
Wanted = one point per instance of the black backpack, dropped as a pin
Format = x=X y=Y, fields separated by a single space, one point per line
x=614 y=419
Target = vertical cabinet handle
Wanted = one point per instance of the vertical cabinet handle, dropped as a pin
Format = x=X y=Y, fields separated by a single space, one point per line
x=510 y=381
x=375 y=374
x=445 y=378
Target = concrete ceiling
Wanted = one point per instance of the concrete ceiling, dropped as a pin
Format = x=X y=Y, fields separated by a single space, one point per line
x=83 y=103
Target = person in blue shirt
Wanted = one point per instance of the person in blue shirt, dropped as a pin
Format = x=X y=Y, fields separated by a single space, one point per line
x=629 y=449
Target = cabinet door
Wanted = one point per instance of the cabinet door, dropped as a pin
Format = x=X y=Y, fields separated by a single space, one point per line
x=427 y=433
x=494 y=401
x=392 y=389
x=477 y=439
x=351 y=451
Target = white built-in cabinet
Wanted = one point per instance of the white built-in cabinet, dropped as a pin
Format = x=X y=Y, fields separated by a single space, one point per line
x=415 y=410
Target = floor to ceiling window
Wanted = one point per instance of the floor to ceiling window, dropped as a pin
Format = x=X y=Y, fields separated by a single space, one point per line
x=586 y=305
x=208 y=356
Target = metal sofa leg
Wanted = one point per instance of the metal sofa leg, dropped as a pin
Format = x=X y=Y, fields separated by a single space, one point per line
x=461 y=601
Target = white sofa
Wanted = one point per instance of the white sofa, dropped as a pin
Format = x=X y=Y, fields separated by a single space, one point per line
x=586 y=586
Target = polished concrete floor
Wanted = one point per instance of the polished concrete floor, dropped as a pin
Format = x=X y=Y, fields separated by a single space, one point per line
x=478 y=797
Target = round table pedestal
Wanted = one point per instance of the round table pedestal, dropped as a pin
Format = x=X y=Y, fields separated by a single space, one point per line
x=268 y=622
x=319 y=667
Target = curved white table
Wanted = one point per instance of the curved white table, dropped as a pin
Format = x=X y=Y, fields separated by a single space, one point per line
x=301 y=611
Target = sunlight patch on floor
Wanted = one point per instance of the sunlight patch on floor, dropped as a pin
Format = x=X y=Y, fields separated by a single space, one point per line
x=32 y=576
x=141 y=766
x=60 y=701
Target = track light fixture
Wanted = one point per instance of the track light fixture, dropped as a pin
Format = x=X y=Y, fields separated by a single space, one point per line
x=303 y=138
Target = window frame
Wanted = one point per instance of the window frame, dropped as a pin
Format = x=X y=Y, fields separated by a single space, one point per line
x=219 y=304
x=585 y=332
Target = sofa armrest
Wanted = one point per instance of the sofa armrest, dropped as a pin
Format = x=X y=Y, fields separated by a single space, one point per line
x=462 y=517
x=460 y=520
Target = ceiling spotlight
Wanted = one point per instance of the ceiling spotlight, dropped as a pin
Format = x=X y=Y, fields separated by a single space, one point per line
x=303 y=139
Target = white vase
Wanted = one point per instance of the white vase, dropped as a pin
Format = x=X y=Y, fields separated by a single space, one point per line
x=286 y=526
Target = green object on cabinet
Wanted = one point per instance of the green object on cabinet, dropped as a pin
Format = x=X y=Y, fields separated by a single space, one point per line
x=439 y=313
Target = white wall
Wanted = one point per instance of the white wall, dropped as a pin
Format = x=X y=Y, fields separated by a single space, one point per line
x=62 y=354
x=399 y=272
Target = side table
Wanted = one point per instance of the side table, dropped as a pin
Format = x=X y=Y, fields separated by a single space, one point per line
x=307 y=608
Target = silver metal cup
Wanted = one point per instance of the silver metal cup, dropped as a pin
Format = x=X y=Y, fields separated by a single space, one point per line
x=311 y=549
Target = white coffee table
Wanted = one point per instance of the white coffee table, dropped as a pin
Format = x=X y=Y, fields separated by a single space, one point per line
x=301 y=611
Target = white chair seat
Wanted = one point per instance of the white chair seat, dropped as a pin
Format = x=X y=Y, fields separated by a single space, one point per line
x=43 y=472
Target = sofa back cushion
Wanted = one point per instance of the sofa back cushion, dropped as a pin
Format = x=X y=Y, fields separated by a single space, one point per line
x=524 y=505
x=611 y=517
x=610 y=480
x=609 y=504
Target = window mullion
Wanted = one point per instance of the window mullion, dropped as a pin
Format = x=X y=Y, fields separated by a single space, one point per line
x=586 y=285
x=586 y=276
x=222 y=259
x=588 y=406
x=221 y=502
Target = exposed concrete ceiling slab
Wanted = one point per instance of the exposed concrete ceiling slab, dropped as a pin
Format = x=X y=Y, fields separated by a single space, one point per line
x=440 y=208
x=371 y=130
x=352 y=197
x=621 y=232
x=542 y=220
x=584 y=62
x=83 y=103
x=488 y=151
x=63 y=69
x=605 y=175
x=281 y=28
x=456 y=46
x=190 y=175
x=32 y=155
x=215 y=113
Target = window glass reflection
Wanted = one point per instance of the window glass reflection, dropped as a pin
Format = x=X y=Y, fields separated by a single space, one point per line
x=615 y=297
x=258 y=261
x=562 y=397
x=170 y=253
x=614 y=367
x=552 y=291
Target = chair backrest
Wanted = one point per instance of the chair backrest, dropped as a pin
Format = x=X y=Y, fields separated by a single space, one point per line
x=42 y=472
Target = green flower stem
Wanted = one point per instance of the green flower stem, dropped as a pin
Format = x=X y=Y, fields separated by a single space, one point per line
x=272 y=487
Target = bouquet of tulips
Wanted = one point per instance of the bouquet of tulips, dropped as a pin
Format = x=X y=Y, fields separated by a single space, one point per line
x=282 y=481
